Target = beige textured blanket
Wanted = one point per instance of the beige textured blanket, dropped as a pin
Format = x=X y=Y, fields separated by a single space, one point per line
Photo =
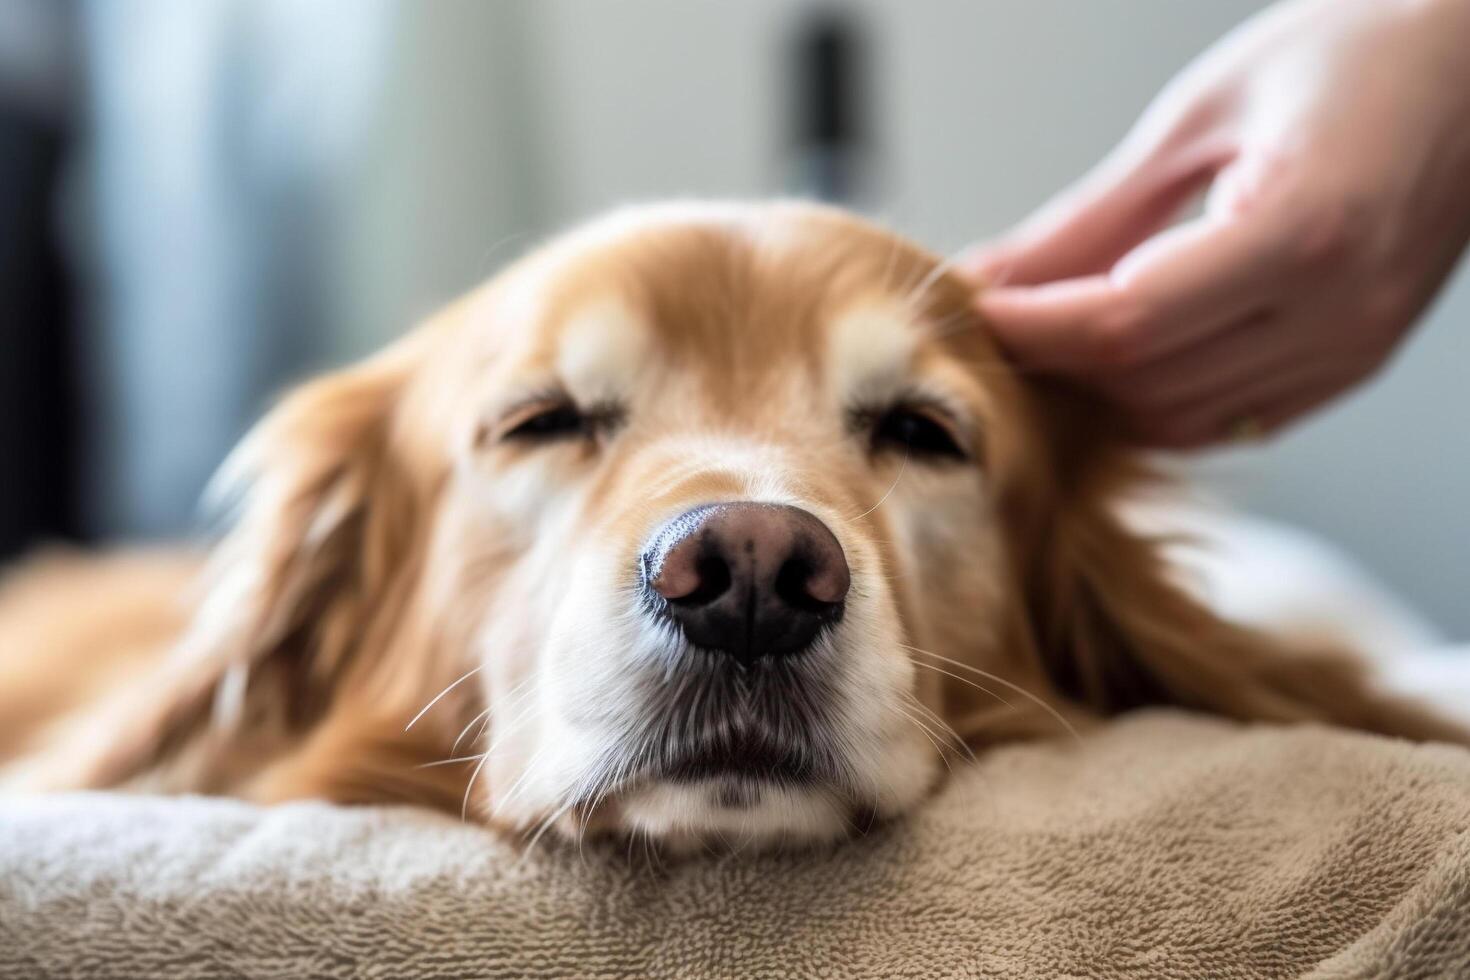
x=1168 y=846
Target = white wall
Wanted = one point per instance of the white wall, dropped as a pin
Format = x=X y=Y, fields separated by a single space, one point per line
x=985 y=108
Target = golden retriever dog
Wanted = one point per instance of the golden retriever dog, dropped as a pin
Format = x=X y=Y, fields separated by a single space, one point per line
x=705 y=523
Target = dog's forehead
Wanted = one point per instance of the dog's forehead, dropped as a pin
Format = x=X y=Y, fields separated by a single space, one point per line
x=735 y=293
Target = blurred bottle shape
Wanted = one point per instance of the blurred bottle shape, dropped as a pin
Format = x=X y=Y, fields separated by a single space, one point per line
x=832 y=155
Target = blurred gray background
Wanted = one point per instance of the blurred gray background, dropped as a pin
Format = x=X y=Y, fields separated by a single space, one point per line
x=254 y=189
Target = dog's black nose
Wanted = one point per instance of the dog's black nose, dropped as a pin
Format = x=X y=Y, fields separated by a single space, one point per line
x=748 y=579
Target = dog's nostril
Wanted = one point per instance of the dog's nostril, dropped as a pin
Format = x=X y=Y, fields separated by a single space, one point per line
x=794 y=586
x=713 y=576
x=751 y=580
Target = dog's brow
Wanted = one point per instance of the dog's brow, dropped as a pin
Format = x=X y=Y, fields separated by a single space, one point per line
x=872 y=348
x=600 y=349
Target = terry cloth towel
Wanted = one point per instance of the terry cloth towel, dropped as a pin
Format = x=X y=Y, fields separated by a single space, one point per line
x=1165 y=846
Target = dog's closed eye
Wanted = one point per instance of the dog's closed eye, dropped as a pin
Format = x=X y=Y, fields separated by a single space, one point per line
x=912 y=428
x=552 y=420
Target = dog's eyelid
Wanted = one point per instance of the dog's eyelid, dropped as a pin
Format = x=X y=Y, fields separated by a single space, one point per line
x=941 y=408
x=550 y=391
x=527 y=405
x=595 y=419
x=870 y=417
x=495 y=422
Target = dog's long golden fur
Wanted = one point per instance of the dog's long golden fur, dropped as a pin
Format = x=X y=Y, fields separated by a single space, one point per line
x=366 y=572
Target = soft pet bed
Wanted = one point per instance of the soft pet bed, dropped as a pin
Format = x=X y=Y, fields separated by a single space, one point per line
x=1166 y=846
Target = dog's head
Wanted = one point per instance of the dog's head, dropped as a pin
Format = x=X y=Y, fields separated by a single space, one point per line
x=706 y=522
x=721 y=471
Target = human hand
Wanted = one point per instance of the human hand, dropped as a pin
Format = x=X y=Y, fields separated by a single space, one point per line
x=1334 y=139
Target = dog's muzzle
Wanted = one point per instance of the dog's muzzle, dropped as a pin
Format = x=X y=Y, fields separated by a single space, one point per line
x=750 y=691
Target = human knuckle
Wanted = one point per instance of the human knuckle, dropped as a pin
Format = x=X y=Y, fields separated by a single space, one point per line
x=1120 y=338
x=1331 y=235
x=1385 y=306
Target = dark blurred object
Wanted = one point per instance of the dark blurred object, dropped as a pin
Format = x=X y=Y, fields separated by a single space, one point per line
x=830 y=118
x=37 y=389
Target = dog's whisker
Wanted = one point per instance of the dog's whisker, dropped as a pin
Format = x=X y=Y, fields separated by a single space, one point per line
x=464 y=807
x=425 y=709
x=940 y=744
x=510 y=728
x=609 y=782
x=892 y=487
x=521 y=704
x=943 y=755
x=483 y=715
x=628 y=856
x=484 y=718
x=650 y=852
x=1039 y=702
x=610 y=777
x=450 y=762
x=484 y=730
x=500 y=805
x=965 y=680
x=940 y=723
x=604 y=784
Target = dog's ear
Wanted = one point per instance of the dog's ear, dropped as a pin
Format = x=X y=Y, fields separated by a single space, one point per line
x=307 y=584
x=1113 y=630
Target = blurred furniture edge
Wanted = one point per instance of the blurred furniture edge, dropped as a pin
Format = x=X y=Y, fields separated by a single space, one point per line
x=37 y=391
